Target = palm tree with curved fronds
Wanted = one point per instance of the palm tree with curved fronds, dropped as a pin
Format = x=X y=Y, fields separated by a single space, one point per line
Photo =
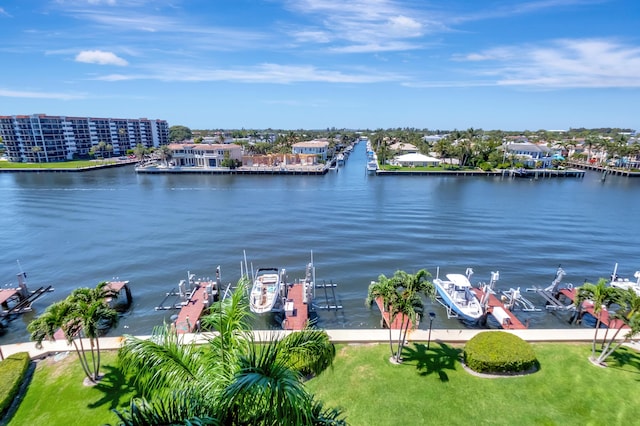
x=82 y=315
x=602 y=296
x=385 y=291
x=412 y=285
x=628 y=319
x=400 y=295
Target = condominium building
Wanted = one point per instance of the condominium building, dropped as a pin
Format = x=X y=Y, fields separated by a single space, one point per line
x=43 y=138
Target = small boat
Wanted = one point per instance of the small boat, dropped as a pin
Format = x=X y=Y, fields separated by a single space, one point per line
x=455 y=294
x=625 y=283
x=266 y=291
x=340 y=159
x=372 y=167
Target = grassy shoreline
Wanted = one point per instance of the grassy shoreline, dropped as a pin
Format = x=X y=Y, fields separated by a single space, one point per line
x=431 y=387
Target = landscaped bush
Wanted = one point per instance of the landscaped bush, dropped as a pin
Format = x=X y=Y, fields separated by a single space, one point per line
x=499 y=352
x=13 y=370
x=485 y=166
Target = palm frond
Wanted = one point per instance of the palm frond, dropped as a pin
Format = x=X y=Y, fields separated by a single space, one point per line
x=265 y=391
x=163 y=361
x=309 y=351
x=180 y=409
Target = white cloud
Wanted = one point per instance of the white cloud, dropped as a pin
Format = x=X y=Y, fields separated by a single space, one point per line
x=100 y=57
x=38 y=95
x=363 y=26
x=312 y=36
x=264 y=73
x=376 y=47
x=99 y=2
x=566 y=63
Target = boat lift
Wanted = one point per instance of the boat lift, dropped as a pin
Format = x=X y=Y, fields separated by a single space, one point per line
x=551 y=293
x=513 y=299
x=310 y=294
x=177 y=299
x=15 y=301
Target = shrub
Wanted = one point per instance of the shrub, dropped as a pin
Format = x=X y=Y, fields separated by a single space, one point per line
x=499 y=352
x=485 y=166
x=13 y=370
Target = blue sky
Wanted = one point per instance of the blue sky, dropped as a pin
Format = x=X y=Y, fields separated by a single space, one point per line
x=294 y=64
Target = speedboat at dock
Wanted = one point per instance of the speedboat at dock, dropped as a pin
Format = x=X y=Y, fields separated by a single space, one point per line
x=456 y=295
x=267 y=291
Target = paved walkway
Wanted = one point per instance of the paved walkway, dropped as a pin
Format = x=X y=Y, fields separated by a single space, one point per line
x=337 y=336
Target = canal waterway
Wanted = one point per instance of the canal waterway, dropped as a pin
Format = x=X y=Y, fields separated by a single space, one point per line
x=77 y=229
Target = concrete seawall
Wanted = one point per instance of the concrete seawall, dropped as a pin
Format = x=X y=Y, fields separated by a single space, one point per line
x=337 y=336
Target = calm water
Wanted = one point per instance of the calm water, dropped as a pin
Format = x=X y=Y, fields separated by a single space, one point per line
x=73 y=230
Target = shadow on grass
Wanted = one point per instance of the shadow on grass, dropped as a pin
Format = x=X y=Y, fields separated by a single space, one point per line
x=116 y=389
x=439 y=358
x=625 y=359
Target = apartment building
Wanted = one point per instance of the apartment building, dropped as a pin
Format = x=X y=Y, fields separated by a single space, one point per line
x=42 y=138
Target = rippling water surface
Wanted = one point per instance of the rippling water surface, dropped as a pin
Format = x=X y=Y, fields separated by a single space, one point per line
x=78 y=229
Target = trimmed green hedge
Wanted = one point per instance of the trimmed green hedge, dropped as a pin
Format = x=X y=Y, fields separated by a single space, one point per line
x=13 y=370
x=499 y=352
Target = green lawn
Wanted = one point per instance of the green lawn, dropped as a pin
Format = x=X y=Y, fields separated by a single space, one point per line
x=431 y=388
x=57 y=395
x=77 y=164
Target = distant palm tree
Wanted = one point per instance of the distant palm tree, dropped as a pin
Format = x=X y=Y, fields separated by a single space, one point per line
x=164 y=153
x=590 y=141
x=37 y=150
x=140 y=151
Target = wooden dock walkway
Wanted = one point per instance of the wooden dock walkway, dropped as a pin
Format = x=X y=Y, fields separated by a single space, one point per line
x=399 y=322
x=589 y=308
x=191 y=311
x=609 y=170
x=506 y=319
x=295 y=310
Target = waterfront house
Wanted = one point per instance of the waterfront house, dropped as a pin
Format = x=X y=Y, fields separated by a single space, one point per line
x=204 y=155
x=404 y=148
x=416 y=160
x=315 y=147
x=530 y=154
x=279 y=160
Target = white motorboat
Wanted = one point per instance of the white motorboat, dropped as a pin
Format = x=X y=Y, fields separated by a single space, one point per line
x=372 y=160
x=266 y=291
x=625 y=283
x=455 y=294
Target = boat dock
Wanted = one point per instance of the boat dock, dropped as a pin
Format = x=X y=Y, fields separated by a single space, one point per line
x=121 y=288
x=190 y=313
x=15 y=301
x=193 y=298
x=494 y=307
x=296 y=309
x=605 y=170
x=588 y=307
x=399 y=322
x=300 y=298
